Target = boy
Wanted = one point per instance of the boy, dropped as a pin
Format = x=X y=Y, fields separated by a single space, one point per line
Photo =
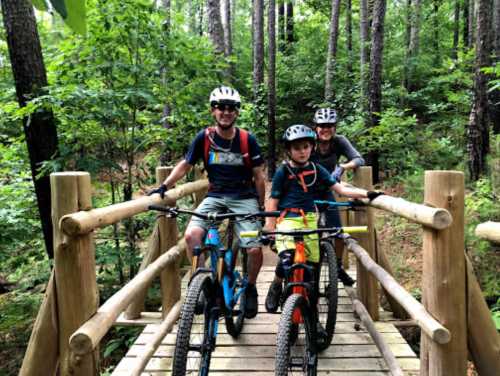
x=295 y=185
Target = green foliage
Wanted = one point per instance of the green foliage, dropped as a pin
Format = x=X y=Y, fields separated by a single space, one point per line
x=73 y=12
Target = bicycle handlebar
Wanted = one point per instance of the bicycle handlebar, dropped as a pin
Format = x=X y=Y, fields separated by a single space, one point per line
x=303 y=232
x=349 y=204
x=213 y=216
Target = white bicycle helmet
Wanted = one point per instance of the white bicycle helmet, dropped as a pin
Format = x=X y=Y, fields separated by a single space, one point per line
x=299 y=132
x=225 y=95
x=325 y=116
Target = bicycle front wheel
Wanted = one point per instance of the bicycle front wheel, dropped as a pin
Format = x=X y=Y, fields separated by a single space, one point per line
x=196 y=332
x=295 y=345
x=328 y=292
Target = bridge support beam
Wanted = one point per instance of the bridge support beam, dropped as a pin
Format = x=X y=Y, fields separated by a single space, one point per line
x=444 y=276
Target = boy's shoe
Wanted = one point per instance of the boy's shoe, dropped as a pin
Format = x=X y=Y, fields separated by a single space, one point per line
x=251 y=302
x=343 y=276
x=274 y=296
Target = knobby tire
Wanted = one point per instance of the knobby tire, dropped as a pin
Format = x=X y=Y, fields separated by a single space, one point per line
x=201 y=284
x=328 y=290
x=296 y=354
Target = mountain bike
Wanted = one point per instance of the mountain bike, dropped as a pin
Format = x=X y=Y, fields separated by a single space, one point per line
x=213 y=292
x=297 y=347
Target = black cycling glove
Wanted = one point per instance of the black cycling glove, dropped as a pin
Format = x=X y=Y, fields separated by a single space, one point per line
x=373 y=194
x=161 y=190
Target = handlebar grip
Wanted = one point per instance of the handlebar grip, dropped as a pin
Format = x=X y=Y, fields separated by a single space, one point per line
x=355 y=229
x=249 y=234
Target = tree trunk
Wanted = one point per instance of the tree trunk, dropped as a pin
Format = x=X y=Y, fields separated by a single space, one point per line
x=289 y=23
x=348 y=22
x=376 y=56
x=472 y=17
x=456 y=30
x=168 y=22
x=332 y=50
x=228 y=37
x=281 y=25
x=413 y=44
x=495 y=95
x=466 y=25
x=258 y=58
x=363 y=41
x=478 y=131
x=215 y=25
x=436 y=27
x=30 y=80
x=271 y=90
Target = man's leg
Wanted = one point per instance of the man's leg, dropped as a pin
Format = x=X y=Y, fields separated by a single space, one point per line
x=194 y=236
x=254 y=263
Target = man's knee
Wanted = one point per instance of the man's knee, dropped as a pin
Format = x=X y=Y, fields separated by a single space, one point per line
x=194 y=235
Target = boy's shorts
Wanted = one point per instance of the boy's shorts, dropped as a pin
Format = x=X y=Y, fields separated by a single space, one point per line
x=311 y=242
x=227 y=204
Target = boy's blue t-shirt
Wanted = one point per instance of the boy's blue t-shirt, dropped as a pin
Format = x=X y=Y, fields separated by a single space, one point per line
x=227 y=173
x=292 y=195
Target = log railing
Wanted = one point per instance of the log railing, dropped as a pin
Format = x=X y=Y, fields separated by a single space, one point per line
x=70 y=324
x=454 y=316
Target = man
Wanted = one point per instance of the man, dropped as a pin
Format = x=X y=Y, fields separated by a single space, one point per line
x=330 y=148
x=236 y=179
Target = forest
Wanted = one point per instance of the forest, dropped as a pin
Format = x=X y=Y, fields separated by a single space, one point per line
x=119 y=87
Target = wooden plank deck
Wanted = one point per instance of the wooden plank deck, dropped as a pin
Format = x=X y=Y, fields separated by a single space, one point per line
x=352 y=352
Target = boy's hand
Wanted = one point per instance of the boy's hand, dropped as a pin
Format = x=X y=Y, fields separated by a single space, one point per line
x=373 y=194
x=161 y=190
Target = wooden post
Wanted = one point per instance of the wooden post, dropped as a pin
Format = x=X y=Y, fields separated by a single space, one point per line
x=170 y=278
x=367 y=287
x=43 y=348
x=484 y=342
x=443 y=279
x=75 y=275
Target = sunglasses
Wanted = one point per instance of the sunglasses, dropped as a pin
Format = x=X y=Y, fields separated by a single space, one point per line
x=225 y=107
x=326 y=125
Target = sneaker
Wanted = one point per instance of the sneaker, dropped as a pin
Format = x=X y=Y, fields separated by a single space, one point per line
x=343 y=276
x=251 y=302
x=273 y=297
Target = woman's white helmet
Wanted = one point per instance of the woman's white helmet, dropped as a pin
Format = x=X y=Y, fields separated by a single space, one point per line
x=325 y=116
x=225 y=95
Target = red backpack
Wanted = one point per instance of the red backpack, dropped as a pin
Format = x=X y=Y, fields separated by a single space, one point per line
x=243 y=146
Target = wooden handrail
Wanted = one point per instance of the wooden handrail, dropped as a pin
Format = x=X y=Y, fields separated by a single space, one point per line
x=381 y=344
x=88 y=336
x=83 y=222
x=489 y=231
x=425 y=321
x=151 y=347
x=436 y=218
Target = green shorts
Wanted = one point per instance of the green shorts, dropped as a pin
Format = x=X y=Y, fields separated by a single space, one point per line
x=232 y=205
x=311 y=242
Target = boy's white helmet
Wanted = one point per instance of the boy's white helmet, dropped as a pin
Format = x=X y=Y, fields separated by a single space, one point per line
x=325 y=116
x=298 y=132
x=225 y=95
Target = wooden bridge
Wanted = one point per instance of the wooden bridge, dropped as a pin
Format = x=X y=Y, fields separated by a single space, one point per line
x=453 y=318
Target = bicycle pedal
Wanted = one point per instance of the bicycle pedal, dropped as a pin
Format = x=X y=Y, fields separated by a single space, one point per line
x=236 y=312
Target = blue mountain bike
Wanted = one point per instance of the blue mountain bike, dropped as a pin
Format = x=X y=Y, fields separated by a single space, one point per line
x=213 y=292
